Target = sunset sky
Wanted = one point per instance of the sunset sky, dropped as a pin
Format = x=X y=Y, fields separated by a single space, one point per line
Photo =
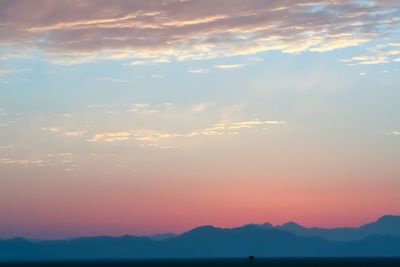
x=151 y=116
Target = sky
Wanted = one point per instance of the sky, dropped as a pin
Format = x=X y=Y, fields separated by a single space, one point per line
x=151 y=116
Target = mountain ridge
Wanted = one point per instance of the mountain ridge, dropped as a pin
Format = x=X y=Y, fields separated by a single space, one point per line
x=208 y=241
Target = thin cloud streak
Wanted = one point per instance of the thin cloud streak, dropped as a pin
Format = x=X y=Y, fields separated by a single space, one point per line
x=380 y=54
x=148 y=137
x=110 y=137
x=229 y=66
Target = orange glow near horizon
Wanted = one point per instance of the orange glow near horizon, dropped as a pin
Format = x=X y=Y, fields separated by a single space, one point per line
x=117 y=206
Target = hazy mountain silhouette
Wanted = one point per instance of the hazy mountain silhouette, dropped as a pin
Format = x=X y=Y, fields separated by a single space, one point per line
x=209 y=241
x=162 y=236
x=386 y=225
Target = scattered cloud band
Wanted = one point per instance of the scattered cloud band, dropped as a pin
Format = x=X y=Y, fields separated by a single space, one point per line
x=164 y=30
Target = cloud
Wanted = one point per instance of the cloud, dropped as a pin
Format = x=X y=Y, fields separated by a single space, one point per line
x=149 y=62
x=199 y=70
x=56 y=159
x=138 y=63
x=229 y=66
x=379 y=54
x=228 y=128
x=200 y=107
x=110 y=137
x=370 y=59
x=162 y=139
x=58 y=130
x=255 y=59
x=51 y=129
x=62 y=154
x=142 y=108
x=396 y=132
x=72 y=32
x=75 y=133
x=21 y=162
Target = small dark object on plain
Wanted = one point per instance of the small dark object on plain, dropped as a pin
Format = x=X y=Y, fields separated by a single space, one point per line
x=251 y=258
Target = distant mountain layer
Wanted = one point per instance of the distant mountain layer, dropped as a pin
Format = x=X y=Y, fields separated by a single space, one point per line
x=386 y=225
x=209 y=241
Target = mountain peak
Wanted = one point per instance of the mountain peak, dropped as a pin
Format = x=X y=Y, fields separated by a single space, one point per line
x=204 y=228
x=200 y=230
x=267 y=226
x=291 y=225
x=389 y=218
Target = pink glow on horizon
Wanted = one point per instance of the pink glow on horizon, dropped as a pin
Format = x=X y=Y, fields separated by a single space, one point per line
x=58 y=209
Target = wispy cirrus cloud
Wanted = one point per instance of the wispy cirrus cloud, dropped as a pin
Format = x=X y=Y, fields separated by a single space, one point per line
x=56 y=159
x=21 y=162
x=156 y=138
x=229 y=66
x=379 y=54
x=68 y=133
x=75 y=133
x=51 y=129
x=110 y=137
x=199 y=70
x=143 y=108
x=81 y=31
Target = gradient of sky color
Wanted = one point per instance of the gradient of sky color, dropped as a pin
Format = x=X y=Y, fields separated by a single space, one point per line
x=140 y=117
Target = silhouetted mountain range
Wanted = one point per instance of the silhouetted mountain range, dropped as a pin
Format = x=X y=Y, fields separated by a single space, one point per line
x=386 y=225
x=378 y=239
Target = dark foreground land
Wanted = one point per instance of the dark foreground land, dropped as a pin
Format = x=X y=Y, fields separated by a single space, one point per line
x=288 y=262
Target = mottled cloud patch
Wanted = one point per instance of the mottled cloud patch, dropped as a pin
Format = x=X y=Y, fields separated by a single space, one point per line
x=151 y=31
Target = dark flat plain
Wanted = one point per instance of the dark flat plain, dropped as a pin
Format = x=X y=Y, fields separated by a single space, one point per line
x=274 y=262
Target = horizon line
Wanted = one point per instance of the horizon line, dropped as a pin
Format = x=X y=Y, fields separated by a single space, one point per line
x=193 y=228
